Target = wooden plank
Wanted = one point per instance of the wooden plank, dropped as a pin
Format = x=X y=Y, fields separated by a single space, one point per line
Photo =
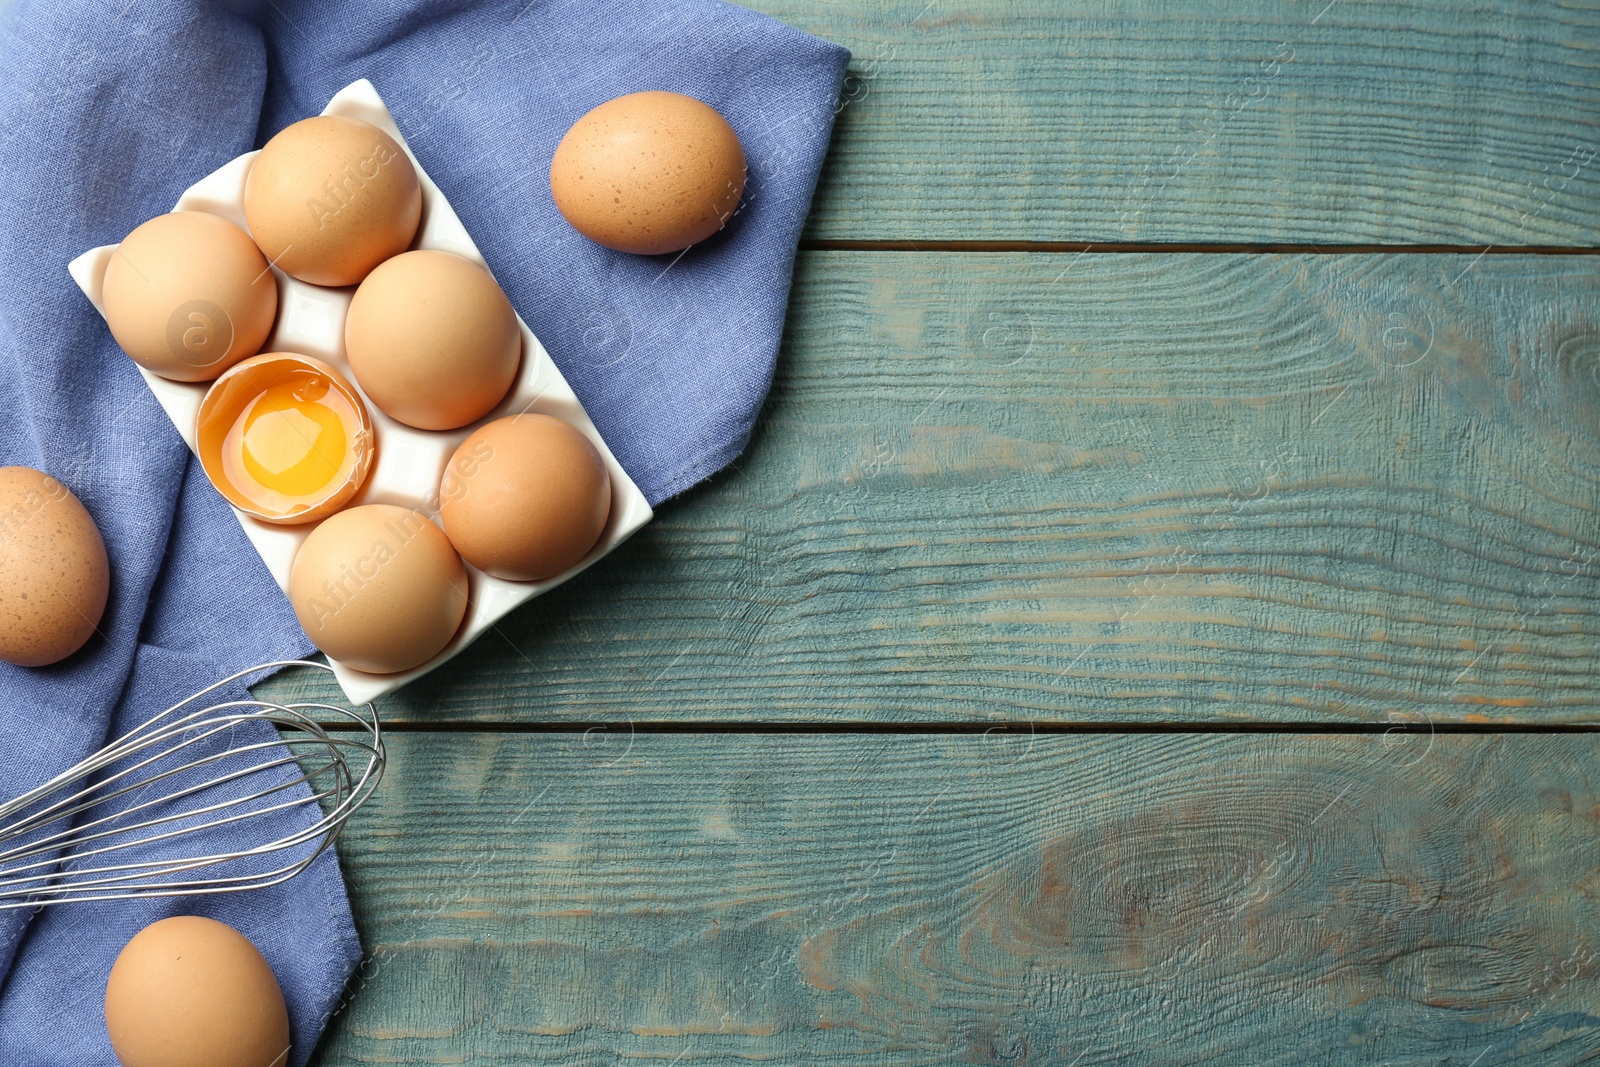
x=1304 y=121
x=1115 y=487
x=1085 y=899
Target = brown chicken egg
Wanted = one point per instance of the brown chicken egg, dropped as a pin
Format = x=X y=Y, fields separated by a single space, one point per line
x=329 y=198
x=54 y=575
x=432 y=340
x=378 y=588
x=649 y=173
x=194 y=992
x=188 y=295
x=525 y=498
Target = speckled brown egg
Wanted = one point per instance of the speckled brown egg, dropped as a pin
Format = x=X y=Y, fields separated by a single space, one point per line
x=54 y=575
x=187 y=295
x=649 y=173
x=525 y=498
x=378 y=588
x=330 y=197
x=432 y=339
x=194 y=992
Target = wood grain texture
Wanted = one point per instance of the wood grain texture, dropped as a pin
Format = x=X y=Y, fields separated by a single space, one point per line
x=1084 y=900
x=1423 y=121
x=1115 y=488
x=1066 y=489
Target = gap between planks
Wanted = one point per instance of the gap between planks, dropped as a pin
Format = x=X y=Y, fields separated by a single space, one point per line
x=1082 y=247
x=976 y=729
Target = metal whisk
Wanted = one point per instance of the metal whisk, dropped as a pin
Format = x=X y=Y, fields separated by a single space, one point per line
x=210 y=780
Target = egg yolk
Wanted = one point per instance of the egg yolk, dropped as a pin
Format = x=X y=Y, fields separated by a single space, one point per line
x=292 y=442
x=285 y=438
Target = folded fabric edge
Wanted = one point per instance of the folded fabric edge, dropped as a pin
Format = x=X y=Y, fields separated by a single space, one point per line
x=707 y=464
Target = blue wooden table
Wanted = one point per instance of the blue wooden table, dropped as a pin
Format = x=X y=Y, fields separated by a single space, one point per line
x=1154 y=623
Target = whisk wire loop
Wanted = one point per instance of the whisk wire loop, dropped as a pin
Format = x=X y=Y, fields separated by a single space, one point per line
x=114 y=825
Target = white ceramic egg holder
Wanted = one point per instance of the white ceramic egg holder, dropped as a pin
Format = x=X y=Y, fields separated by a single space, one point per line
x=409 y=462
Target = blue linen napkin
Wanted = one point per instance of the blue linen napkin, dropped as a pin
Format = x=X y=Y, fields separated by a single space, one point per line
x=107 y=111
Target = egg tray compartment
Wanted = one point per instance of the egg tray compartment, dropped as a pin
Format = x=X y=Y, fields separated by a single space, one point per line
x=409 y=462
